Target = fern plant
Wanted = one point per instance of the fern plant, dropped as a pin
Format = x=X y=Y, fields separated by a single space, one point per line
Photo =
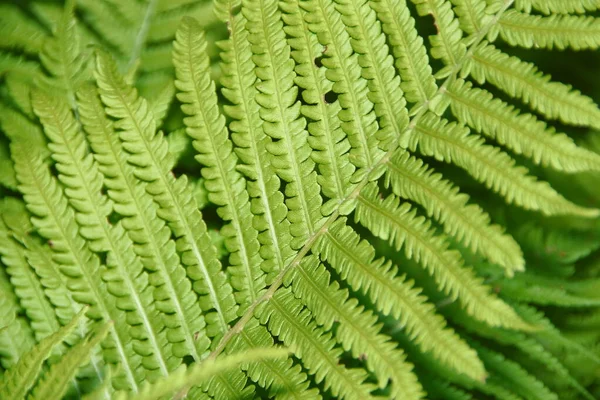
x=297 y=199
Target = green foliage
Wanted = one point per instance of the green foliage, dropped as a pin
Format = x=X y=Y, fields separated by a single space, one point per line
x=399 y=195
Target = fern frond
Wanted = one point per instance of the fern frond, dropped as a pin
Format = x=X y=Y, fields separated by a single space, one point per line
x=513 y=376
x=282 y=121
x=26 y=284
x=178 y=382
x=226 y=186
x=330 y=145
x=393 y=295
x=411 y=179
x=491 y=387
x=15 y=62
x=139 y=33
x=530 y=347
x=149 y=234
x=357 y=115
x=535 y=289
x=17 y=127
x=554 y=31
x=39 y=258
x=522 y=133
x=8 y=179
x=557 y=6
x=63 y=57
x=446 y=44
x=551 y=334
x=471 y=14
x=133 y=19
x=280 y=377
x=65 y=307
x=439 y=389
x=125 y=277
x=523 y=80
x=357 y=331
x=377 y=67
x=411 y=60
x=19 y=31
x=267 y=202
x=286 y=318
x=55 y=221
x=16 y=382
x=150 y=158
x=328 y=136
x=161 y=101
x=19 y=84
x=489 y=165
x=399 y=224
x=16 y=336
x=53 y=384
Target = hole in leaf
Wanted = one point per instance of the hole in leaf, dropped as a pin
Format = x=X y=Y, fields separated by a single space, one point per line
x=319 y=61
x=114 y=218
x=103 y=256
x=331 y=97
x=235 y=10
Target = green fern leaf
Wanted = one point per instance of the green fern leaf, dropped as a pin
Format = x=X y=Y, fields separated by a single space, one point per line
x=513 y=376
x=282 y=378
x=54 y=383
x=523 y=133
x=226 y=185
x=182 y=379
x=350 y=174
x=523 y=80
x=329 y=144
x=369 y=42
x=267 y=202
x=26 y=285
x=408 y=49
x=16 y=336
x=411 y=179
x=8 y=178
x=16 y=382
x=400 y=225
x=286 y=319
x=354 y=260
x=55 y=221
x=446 y=44
x=150 y=158
x=554 y=31
x=471 y=14
x=289 y=147
x=20 y=32
x=63 y=58
x=357 y=331
x=558 y=6
x=357 y=114
x=125 y=277
x=489 y=165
